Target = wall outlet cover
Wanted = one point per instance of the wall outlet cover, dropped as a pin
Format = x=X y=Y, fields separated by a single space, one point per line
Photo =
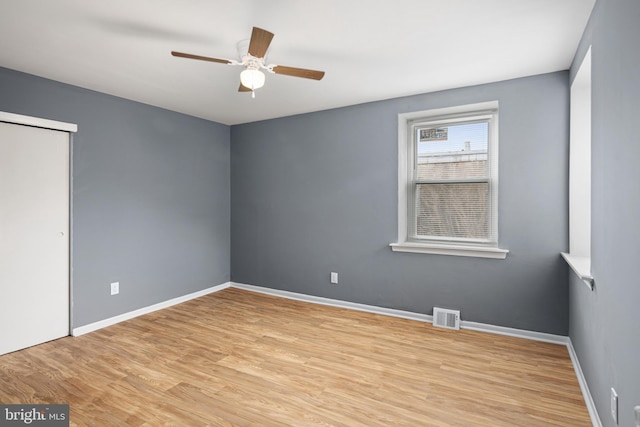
x=115 y=288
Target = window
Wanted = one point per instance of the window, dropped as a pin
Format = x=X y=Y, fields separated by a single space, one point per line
x=579 y=256
x=448 y=181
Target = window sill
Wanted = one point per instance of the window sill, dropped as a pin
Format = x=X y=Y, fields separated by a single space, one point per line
x=469 y=251
x=581 y=265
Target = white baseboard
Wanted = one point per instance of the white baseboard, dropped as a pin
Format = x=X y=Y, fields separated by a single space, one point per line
x=588 y=399
x=481 y=327
x=145 y=310
x=513 y=332
x=335 y=303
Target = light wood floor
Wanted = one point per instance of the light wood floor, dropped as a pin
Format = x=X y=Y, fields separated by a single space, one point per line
x=241 y=358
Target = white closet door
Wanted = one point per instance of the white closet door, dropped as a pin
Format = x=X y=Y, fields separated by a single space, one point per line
x=34 y=236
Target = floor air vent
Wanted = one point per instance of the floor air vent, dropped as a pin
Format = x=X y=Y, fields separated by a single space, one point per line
x=444 y=318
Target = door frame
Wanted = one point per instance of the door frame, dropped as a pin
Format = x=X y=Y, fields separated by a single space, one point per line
x=71 y=129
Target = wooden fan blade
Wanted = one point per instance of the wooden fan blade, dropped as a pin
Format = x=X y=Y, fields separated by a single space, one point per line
x=298 y=72
x=198 y=57
x=260 y=41
x=243 y=88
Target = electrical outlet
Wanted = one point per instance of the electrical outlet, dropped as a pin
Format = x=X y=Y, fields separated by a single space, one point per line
x=334 y=277
x=614 y=405
x=115 y=288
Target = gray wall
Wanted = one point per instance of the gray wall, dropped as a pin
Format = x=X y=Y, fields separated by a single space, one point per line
x=317 y=193
x=151 y=196
x=605 y=323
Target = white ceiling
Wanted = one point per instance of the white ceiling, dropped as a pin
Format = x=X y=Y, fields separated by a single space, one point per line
x=370 y=49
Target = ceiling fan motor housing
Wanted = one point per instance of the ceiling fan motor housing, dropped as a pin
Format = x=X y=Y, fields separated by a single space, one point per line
x=252 y=54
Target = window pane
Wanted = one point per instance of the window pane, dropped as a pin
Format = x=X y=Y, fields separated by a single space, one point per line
x=452 y=152
x=453 y=210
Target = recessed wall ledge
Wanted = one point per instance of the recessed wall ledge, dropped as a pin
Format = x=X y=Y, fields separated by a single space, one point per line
x=581 y=266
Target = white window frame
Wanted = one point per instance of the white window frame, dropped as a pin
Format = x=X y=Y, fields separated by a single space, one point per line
x=406 y=155
x=579 y=256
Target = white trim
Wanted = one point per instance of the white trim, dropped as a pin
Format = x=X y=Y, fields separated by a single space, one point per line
x=426 y=318
x=446 y=111
x=37 y=122
x=481 y=327
x=465 y=324
x=580 y=161
x=20 y=119
x=431 y=248
x=145 y=310
x=335 y=303
x=403 y=175
x=581 y=265
x=474 y=326
x=582 y=381
x=513 y=332
x=405 y=172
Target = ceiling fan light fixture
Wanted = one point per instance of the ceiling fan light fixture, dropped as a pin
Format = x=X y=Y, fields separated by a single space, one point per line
x=252 y=78
x=253 y=54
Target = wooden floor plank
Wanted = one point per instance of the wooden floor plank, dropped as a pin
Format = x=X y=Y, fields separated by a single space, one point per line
x=238 y=358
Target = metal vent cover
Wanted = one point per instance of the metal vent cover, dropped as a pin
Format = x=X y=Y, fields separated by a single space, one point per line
x=444 y=318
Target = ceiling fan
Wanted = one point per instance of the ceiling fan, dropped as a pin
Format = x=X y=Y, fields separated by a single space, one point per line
x=252 y=59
